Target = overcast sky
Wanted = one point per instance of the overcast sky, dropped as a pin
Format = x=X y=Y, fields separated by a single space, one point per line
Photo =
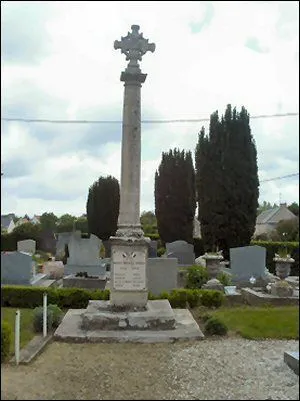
x=58 y=62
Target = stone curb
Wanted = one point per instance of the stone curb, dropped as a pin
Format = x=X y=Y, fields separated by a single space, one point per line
x=32 y=349
x=292 y=360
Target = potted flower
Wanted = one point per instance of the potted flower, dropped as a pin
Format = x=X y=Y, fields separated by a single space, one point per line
x=283 y=262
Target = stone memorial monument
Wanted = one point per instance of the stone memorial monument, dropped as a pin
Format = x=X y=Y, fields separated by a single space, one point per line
x=129 y=247
x=129 y=315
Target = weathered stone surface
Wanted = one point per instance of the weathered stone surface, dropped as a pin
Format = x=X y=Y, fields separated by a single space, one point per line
x=186 y=328
x=54 y=269
x=128 y=272
x=101 y=315
x=254 y=297
x=214 y=284
x=27 y=245
x=282 y=289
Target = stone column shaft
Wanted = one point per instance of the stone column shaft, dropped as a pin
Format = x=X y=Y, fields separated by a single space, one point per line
x=129 y=216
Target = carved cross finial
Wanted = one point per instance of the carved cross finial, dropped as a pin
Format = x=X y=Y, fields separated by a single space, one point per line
x=134 y=46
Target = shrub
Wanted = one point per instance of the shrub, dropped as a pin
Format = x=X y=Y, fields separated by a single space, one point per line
x=181 y=298
x=224 y=278
x=57 y=314
x=196 y=276
x=38 y=319
x=6 y=336
x=205 y=317
x=31 y=297
x=212 y=298
x=161 y=251
x=214 y=326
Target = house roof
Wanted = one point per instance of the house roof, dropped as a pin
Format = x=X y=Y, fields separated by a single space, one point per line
x=5 y=220
x=265 y=216
x=272 y=215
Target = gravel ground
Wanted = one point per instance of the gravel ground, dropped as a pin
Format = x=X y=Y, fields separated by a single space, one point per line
x=215 y=369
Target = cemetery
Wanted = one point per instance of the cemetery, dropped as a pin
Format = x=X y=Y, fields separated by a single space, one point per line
x=134 y=295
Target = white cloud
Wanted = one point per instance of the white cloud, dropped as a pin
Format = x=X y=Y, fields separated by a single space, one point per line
x=190 y=75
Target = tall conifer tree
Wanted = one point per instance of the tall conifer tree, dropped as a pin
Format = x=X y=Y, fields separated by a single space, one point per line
x=227 y=181
x=175 y=200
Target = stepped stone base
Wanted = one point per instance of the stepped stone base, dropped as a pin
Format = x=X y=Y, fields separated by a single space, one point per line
x=157 y=315
x=101 y=322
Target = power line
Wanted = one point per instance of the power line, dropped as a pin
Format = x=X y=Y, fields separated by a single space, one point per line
x=281 y=177
x=195 y=120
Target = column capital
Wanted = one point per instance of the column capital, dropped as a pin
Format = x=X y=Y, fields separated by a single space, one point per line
x=128 y=77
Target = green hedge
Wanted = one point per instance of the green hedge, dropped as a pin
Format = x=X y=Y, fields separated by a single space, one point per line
x=9 y=241
x=6 y=337
x=77 y=298
x=272 y=248
x=31 y=297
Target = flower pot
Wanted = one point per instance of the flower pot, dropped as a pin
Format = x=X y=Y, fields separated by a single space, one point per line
x=283 y=267
x=213 y=265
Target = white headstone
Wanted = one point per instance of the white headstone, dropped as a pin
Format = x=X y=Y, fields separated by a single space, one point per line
x=27 y=245
x=84 y=251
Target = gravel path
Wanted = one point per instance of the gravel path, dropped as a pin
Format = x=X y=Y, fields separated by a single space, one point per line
x=225 y=369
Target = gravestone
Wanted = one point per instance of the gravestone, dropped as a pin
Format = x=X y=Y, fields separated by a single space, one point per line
x=27 y=245
x=181 y=250
x=84 y=255
x=17 y=268
x=162 y=274
x=47 y=241
x=152 y=249
x=62 y=240
x=246 y=262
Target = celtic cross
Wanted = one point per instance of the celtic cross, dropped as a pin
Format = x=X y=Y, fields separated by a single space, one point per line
x=134 y=46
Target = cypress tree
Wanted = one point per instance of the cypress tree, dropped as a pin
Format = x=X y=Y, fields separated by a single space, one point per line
x=227 y=181
x=103 y=207
x=175 y=199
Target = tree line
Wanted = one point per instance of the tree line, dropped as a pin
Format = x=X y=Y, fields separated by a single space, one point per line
x=223 y=184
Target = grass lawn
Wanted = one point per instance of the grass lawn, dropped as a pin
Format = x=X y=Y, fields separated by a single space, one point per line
x=257 y=322
x=26 y=329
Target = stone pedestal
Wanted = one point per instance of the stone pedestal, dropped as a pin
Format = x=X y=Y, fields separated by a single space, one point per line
x=213 y=267
x=128 y=273
x=101 y=315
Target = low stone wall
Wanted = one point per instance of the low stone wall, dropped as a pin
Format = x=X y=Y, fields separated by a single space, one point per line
x=82 y=282
x=252 y=297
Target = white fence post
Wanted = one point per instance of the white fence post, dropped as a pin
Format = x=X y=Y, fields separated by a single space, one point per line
x=45 y=314
x=17 y=337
